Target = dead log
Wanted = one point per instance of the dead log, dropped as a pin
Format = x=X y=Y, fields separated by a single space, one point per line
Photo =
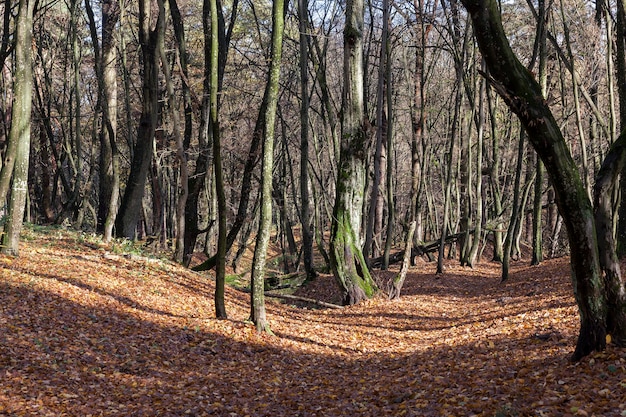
x=418 y=250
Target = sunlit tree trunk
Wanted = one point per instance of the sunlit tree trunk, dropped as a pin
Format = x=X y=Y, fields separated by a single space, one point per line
x=19 y=135
x=257 y=308
x=389 y=130
x=516 y=215
x=347 y=262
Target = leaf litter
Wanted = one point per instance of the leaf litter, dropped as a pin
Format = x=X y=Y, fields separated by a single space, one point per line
x=86 y=332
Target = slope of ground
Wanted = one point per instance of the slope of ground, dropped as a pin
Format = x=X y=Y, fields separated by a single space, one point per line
x=88 y=332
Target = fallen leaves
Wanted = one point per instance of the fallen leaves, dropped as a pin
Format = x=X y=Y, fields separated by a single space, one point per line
x=86 y=332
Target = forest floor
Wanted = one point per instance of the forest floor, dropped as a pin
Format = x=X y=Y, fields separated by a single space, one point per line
x=87 y=329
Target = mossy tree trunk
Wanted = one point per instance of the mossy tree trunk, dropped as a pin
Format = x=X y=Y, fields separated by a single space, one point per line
x=346 y=256
x=523 y=95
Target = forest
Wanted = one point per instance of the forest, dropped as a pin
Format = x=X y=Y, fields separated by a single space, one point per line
x=285 y=143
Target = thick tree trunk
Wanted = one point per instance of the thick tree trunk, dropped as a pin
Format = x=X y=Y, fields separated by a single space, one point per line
x=19 y=135
x=523 y=95
x=347 y=262
x=130 y=208
x=606 y=181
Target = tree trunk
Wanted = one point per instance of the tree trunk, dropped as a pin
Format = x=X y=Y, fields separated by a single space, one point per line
x=375 y=202
x=305 y=194
x=494 y=173
x=454 y=27
x=398 y=280
x=391 y=208
x=472 y=256
x=130 y=208
x=106 y=69
x=606 y=181
x=620 y=65
x=523 y=95
x=517 y=211
x=537 y=236
x=257 y=307
x=347 y=262
x=181 y=157
x=220 y=270
x=19 y=135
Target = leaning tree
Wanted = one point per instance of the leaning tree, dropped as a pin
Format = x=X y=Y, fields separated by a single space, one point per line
x=522 y=93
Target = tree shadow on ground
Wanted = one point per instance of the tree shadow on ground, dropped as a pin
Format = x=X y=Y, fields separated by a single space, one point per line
x=62 y=357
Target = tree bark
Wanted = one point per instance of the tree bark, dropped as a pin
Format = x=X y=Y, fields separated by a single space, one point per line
x=130 y=208
x=106 y=68
x=620 y=65
x=181 y=157
x=257 y=308
x=220 y=270
x=606 y=181
x=523 y=95
x=472 y=256
x=347 y=261
x=306 y=216
x=537 y=235
x=375 y=203
x=19 y=135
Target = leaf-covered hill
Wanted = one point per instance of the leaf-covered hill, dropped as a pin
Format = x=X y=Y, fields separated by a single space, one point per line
x=88 y=331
